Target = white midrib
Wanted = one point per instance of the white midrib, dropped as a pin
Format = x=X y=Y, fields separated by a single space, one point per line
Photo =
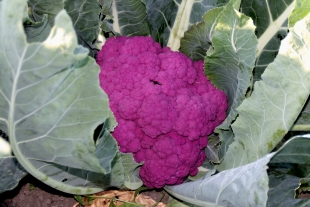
x=181 y=24
x=116 y=27
x=11 y=124
x=273 y=29
x=13 y=95
x=232 y=37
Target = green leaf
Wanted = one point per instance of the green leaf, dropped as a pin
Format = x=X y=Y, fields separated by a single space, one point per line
x=131 y=172
x=212 y=149
x=38 y=8
x=304 y=185
x=169 y=19
x=295 y=150
x=123 y=23
x=11 y=172
x=37 y=31
x=105 y=154
x=227 y=137
x=243 y=186
x=303 y=121
x=106 y=6
x=247 y=185
x=172 y=202
x=79 y=199
x=202 y=172
x=106 y=150
x=139 y=190
x=229 y=65
x=85 y=17
x=270 y=18
x=51 y=102
x=282 y=181
x=197 y=39
x=282 y=191
x=83 y=13
x=302 y=8
x=39 y=18
x=276 y=101
x=271 y=32
x=112 y=203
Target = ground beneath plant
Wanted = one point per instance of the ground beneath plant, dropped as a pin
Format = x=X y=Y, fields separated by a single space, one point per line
x=33 y=193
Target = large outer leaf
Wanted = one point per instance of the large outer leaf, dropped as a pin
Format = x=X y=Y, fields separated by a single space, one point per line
x=229 y=65
x=11 y=172
x=171 y=19
x=270 y=18
x=85 y=17
x=243 y=186
x=248 y=185
x=282 y=191
x=51 y=102
x=282 y=181
x=276 y=101
x=302 y=8
x=296 y=151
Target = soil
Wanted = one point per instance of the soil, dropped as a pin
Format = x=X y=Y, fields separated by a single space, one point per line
x=33 y=193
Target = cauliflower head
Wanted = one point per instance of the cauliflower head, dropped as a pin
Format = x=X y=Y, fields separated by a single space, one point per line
x=164 y=105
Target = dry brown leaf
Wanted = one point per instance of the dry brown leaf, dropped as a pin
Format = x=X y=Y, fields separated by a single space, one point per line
x=148 y=201
x=107 y=196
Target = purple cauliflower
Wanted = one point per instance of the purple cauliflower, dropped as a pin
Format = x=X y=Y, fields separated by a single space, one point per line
x=164 y=105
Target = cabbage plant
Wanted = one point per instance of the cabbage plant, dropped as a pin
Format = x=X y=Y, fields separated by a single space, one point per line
x=256 y=51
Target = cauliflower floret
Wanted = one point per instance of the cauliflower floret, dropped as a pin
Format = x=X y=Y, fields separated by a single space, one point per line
x=164 y=105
